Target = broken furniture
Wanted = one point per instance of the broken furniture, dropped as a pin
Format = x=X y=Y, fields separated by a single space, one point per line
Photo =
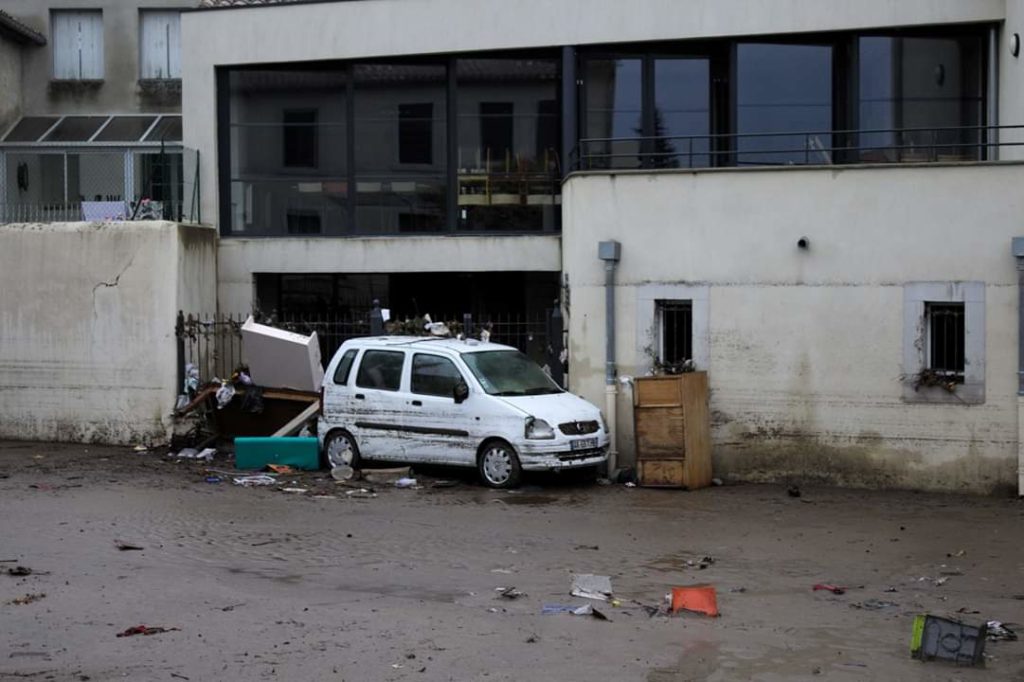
x=673 y=430
x=282 y=359
x=257 y=453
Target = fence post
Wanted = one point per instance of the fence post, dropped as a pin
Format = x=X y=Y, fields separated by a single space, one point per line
x=376 y=320
x=555 y=347
x=179 y=336
x=467 y=325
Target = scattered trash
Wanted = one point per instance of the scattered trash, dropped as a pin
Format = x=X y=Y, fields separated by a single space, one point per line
x=630 y=484
x=191 y=453
x=950 y=571
x=342 y=473
x=280 y=469
x=939 y=582
x=591 y=586
x=696 y=598
x=127 y=547
x=144 y=630
x=738 y=590
x=793 y=491
x=506 y=571
x=509 y=592
x=935 y=637
x=999 y=632
x=405 y=483
x=590 y=547
x=701 y=563
x=256 y=480
x=214 y=479
x=585 y=610
x=294 y=490
x=29 y=598
x=964 y=609
x=361 y=493
x=890 y=589
x=19 y=571
x=958 y=553
x=532 y=639
x=140 y=448
x=717 y=482
x=873 y=604
x=224 y=395
x=834 y=589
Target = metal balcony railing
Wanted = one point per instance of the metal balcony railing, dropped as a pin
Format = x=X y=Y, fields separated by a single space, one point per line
x=948 y=144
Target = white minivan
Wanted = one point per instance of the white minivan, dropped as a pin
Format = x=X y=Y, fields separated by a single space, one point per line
x=457 y=402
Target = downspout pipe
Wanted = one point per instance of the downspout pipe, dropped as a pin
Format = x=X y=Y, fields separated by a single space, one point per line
x=610 y=252
x=1018 y=253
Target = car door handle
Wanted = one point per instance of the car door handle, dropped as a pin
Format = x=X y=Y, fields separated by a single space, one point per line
x=360 y=396
x=418 y=403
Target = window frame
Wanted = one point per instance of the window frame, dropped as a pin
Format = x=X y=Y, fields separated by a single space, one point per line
x=100 y=46
x=412 y=375
x=362 y=365
x=647 y=335
x=661 y=306
x=917 y=384
x=171 y=61
x=945 y=307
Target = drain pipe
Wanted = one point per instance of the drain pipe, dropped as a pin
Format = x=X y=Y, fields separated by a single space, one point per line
x=609 y=252
x=1018 y=252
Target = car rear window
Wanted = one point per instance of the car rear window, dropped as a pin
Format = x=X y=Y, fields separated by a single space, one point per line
x=344 y=367
x=381 y=369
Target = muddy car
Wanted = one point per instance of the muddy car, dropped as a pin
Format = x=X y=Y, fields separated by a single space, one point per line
x=453 y=402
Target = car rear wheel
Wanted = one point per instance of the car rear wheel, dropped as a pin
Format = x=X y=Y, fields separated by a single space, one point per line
x=499 y=465
x=340 y=450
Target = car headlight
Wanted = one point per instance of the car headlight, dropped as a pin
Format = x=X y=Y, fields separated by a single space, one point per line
x=538 y=429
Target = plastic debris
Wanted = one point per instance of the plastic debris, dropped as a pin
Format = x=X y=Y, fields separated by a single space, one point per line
x=27 y=599
x=998 y=631
x=874 y=604
x=294 y=490
x=214 y=479
x=224 y=395
x=585 y=610
x=591 y=586
x=696 y=598
x=405 y=483
x=342 y=473
x=361 y=493
x=834 y=589
x=255 y=480
x=717 y=482
x=144 y=630
x=630 y=484
x=509 y=592
x=191 y=453
x=701 y=563
x=951 y=640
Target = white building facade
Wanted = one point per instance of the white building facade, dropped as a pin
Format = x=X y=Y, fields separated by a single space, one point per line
x=814 y=201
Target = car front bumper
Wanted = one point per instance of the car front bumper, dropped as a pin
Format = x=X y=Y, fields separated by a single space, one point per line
x=563 y=459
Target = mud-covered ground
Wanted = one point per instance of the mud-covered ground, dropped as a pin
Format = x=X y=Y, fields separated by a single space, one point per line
x=323 y=585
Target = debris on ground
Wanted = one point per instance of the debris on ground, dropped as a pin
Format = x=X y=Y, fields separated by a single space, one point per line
x=738 y=590
x=295 y=490
x=145 y=630
x=405 y=483
x=717 y=482
x=934 y=637
x=255 y=480
x=590 y=547
x=27 y=599
x=361 y=493
x=19 y=571
x=590 y=586
x=585 y=610
x=342 y=473
x=701 y=563
x=444 y=483
x=873 y=604
x=509 y=592
x=834 y=589
x=280 y=469
x=214 y=479
x=958 y=553
x=192 y=453
x=998 y=631
x=793 y=491
x=127 y=547
x=630 y=484
x=696 y=598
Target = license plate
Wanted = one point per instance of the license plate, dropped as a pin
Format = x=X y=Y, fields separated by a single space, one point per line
x=584 y=444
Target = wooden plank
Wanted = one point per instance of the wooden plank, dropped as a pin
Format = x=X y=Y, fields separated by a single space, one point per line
x=660 y=433
x=656 y=391
x=295 y=424
x=661 y=473
x=697 y=473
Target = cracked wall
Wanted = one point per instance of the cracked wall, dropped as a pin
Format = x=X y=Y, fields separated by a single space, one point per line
x=87 y=326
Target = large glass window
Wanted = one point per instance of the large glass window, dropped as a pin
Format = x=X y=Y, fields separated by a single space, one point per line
x=400 y=148
x=919 y=97
x=289 y=173
x=509 y=170
x=613 y=113
x=783 y=89
x=682 y=113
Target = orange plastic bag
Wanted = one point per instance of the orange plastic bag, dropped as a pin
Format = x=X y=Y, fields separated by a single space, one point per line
x=698 y=598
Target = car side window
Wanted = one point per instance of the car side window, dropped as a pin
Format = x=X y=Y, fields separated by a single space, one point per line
x=345 y=367
x=434 y=375
x=381 y=369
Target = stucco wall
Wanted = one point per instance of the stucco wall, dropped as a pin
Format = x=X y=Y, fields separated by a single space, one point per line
x=344 y=30
x=10 y=82
x=239 y=259
x=87 y=347
x=805 y=347
x=120 y=92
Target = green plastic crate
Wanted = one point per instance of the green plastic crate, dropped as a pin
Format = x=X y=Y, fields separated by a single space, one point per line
x=256 y=453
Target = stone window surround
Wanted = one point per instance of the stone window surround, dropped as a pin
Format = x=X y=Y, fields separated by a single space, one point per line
x=647 y=297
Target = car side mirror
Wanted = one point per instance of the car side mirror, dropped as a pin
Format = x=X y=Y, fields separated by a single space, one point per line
x=460 y=392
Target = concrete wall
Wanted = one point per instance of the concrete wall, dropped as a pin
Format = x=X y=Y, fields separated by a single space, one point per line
x=120 y=91
x=87 y=347
x=345 y=30
x=240 y=258
x=10 y=82
x=805 y=348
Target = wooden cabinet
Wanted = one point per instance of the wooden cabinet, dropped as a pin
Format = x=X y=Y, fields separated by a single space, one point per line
x=673 y=430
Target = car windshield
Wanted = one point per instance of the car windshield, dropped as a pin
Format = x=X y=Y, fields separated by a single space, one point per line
x=509 y=373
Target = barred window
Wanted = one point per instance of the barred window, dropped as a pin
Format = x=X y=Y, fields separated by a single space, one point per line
x=946 y=332
x=675 y=328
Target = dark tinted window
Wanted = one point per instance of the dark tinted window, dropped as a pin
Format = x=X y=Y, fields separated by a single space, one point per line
x=381 y=369
x=300 y=139
x=434 y=375
x=416 y=133
x=613 y=109
x=682 y=112
x=344 y=367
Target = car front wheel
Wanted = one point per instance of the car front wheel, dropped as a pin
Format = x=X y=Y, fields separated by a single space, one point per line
x=499 y=465
x=340 y=450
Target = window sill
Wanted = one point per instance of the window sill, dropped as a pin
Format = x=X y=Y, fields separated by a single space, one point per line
x=963 y=394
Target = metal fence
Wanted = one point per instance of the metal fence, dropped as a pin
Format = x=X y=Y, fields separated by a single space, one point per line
x=60 y=185
x=821 y=147
x=213 y=341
